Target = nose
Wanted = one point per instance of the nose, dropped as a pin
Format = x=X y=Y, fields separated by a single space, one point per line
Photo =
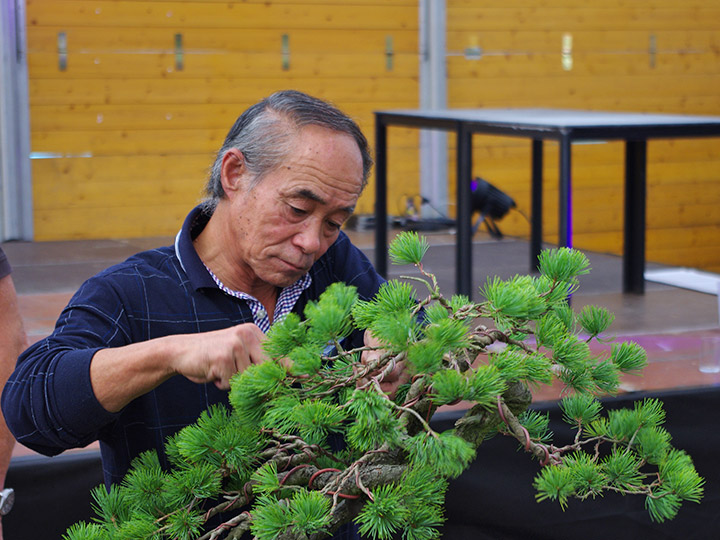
x=308 y=239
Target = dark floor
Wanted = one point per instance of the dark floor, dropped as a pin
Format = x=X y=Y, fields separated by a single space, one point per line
x=670 y=322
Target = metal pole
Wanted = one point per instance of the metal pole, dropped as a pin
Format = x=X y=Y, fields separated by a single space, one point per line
x=381 y=247
x=433 y=95
x=15 y=180
x=635 y=206
x=464 y=213
x=565 y=193
x=536 y=203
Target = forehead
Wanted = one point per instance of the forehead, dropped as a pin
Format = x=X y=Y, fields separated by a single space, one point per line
x=323 y=159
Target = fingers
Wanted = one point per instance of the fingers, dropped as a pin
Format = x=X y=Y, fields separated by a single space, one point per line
x=217 y=356
x=245 y=348
x=391 y=378
x=250 y=341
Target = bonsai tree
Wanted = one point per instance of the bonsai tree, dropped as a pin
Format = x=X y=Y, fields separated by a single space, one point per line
x=311 y=441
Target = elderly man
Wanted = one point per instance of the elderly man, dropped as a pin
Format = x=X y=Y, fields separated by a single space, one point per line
x=145 y=346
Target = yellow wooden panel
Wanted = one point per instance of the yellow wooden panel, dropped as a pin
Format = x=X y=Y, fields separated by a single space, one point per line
x=148 y=142
x=700 y=257
x=577 y=4
x=156 y=117
x=79 y=91
x=150 y=169
x=198 y=41
x=220 y=65
x=545 y=17
x=697 y=246
x=126 y=222
x=707 y=238
x=653 y=88
x=128 y=142
x=493 y=42
x=109 y=14
x=599 y=65
x=128 y=76
x=81 y=196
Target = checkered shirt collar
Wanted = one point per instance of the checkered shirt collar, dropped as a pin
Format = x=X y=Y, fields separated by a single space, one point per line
x=286 y=300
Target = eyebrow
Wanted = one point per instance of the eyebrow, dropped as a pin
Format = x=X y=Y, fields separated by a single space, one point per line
x=308 y=194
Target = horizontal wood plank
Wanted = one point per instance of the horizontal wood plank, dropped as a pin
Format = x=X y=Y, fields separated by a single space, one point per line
x=222 y=65
x=200 y=41
x=110 y=14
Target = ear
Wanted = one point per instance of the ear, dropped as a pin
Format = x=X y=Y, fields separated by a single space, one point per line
x=232 y=171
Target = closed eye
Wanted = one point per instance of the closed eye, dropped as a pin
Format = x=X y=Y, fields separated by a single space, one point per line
x=297 y=211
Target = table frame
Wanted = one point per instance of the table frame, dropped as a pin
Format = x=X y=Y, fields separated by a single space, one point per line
x=561 y=125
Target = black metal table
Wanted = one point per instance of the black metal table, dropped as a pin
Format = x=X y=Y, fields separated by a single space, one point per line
x=564 y=126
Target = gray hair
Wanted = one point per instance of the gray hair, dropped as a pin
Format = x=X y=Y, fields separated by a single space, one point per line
x=264 y=135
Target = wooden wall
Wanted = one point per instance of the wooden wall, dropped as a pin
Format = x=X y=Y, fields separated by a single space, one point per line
x=650 y=56
x=129 y=135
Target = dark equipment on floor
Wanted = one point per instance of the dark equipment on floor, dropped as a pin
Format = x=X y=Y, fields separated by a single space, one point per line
x=491 y=203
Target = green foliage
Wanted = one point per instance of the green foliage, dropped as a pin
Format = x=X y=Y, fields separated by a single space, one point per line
x=622 y=469
x=310 y=512
x=595 y=320
x=85 y=531
x=555 y=484
x=580 y=409
x=512 y=364
x=680 y=477
x=425 y=357
x=145 y=484
x=330 y=316
x=385 y=514
x=408 y=248
x=588 y=477
x=265 y=479
x=514 y=299
x=184 y=524
x=629 y=357
x=110 y=505
x=270 y=518
x=376 y=422
x=537 y=425
x=316 y=419
x=273 y=458
x=445 y=453
x=563 y=264
x=251 y=390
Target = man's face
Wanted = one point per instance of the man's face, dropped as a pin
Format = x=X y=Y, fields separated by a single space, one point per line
x=292 y=216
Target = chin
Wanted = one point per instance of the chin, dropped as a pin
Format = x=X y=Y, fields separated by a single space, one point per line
x=283 y=280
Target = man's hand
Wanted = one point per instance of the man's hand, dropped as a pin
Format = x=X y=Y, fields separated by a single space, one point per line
x=392 y=380
x=217 y=356
x=121 y=374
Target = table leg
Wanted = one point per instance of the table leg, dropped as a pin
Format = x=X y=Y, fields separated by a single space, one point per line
x=463 y=263
x=536 y=204
x=381 y=246
x=635 y=206
x=565 y=193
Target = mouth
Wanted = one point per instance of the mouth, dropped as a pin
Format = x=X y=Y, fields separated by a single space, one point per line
x=295 y=268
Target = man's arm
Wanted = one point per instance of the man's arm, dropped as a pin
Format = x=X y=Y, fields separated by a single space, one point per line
x=207 y=357
x=103 y=353
x=12 y=342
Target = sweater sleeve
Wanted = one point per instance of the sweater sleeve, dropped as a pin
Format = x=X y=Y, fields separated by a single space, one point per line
x=48 y=401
